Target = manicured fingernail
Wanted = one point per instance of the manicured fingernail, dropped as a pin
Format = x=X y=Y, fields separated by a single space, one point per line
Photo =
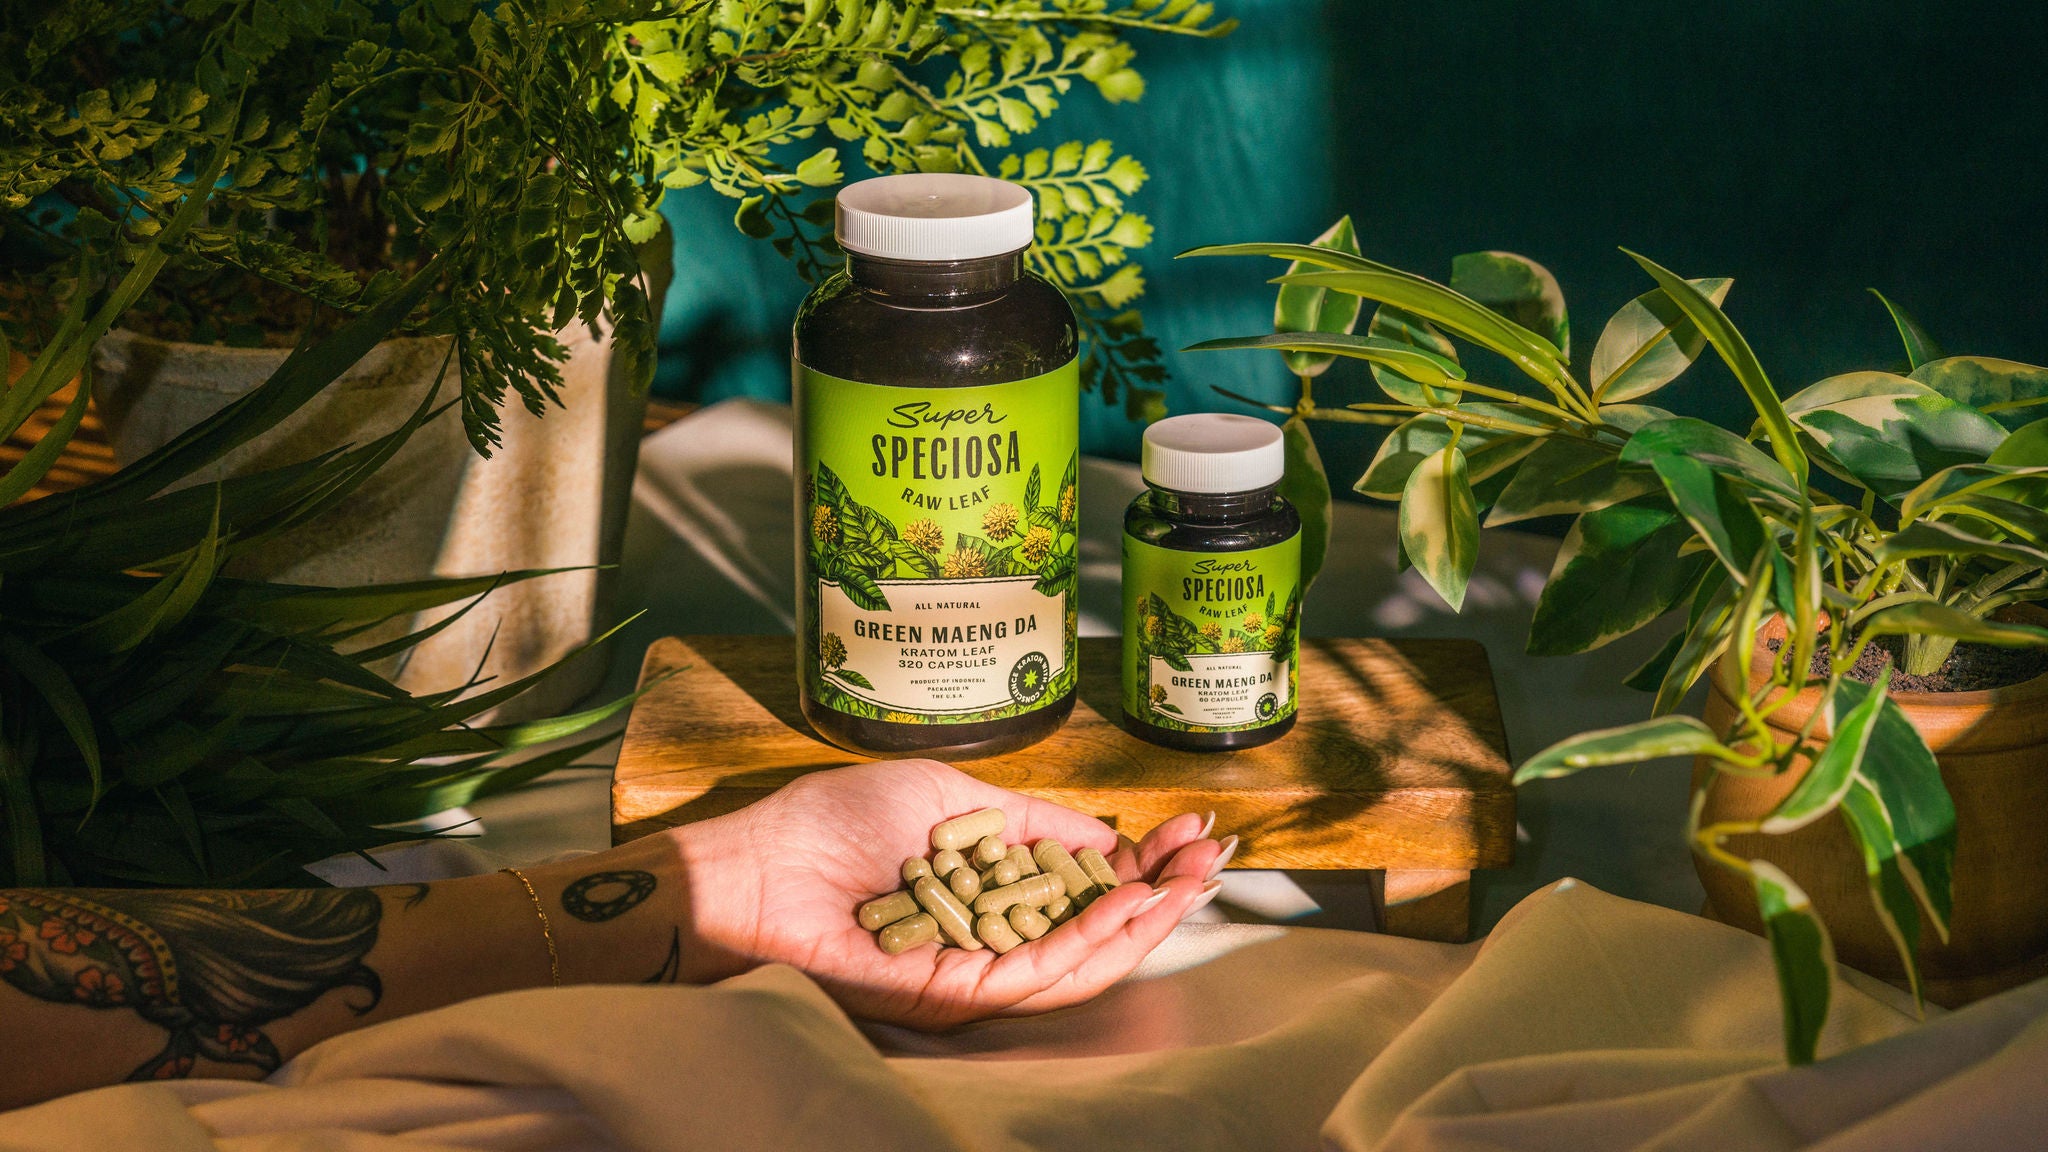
x=1209 y=892
x=1151 y=902
x=1206 y=825
x=1223 y=861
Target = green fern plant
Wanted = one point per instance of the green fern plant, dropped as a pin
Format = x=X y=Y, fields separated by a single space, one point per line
x=368 y=137
x=163 y=724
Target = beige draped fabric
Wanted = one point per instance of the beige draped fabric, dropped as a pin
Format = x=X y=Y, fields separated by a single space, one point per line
x=1584 y=1022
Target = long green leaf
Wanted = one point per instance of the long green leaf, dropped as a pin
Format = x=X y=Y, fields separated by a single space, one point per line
x=1618 y=569
x=1718 y=448
x=1905 y=775
x=1802 y=953
x=1648 y=344
x=1705 y=639
x=1889 y=433
x=1735 y=350
x=1567 y=476
x=1519 y=289
x=1298 y=309
x=1940 y=538
x=1429 y=366
x=2025 y=484
x=308 y=609
x=1298 y=253
x=1306 y=486
x=2009 y=392
x=59 y=692
x=24 y=820
x=1920 y=347
x=2027 y=447
x=1928 y=618
x=1487 y=450
x=1421 y=390
x=44 y=454
x=1828 y=778
x=1890 y=896
x=1439 y=524
x=1723 y=520
x=1657 y=739
x=1469 y=318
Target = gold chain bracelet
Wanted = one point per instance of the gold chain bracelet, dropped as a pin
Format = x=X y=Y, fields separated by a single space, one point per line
x=547 y=930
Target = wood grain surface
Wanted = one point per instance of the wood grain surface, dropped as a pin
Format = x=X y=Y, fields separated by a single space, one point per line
x=1398 y=760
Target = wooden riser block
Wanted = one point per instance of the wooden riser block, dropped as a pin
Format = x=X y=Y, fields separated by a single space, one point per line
x=1398 y=760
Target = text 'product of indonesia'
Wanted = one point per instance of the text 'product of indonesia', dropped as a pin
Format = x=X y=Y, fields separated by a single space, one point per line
x=1211 y=587
x=937 y=461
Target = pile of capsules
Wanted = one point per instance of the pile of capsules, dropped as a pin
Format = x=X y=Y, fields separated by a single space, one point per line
x=977 y=890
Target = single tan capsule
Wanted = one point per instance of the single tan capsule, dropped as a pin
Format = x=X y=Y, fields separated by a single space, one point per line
x=1060 y=911
x=1052 y=857
x=989 y=850
x=1001 y=872
x=1034 y=890
x=965 y=831
x=946 y=863
x=1097 y=867
x=1021 y=857
x=996 y=932
x=1029 y=922
x=880 y=913
x=904 y=935
x=965 y=883
x=951 y=915
x=915 y=867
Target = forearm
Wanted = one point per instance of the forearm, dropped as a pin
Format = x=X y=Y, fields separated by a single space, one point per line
x=101 y=986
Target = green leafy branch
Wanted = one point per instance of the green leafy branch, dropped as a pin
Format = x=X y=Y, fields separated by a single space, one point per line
x=1675 y=513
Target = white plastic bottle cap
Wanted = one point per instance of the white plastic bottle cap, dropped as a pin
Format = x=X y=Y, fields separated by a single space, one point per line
x=934 y=216
x=1213 y=452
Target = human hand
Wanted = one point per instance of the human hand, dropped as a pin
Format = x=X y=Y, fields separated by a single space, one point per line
x=779 y=881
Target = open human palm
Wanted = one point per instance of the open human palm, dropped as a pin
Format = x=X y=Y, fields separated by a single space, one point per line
x=832 y=840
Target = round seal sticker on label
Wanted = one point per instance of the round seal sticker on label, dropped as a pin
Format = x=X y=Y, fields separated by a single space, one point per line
x=1029 y=677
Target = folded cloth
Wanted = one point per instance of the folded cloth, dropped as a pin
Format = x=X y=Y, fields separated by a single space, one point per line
x=1584 y=1022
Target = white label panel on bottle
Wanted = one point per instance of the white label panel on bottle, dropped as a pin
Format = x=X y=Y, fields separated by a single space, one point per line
x=1224 y=689
x=946 y=646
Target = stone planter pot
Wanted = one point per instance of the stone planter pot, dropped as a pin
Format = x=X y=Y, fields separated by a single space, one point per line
x=555 y=495
x=1993 y=750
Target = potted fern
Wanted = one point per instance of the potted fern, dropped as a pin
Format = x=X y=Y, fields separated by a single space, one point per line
x=372 y=138
x=1849 y=566
x=163 y=723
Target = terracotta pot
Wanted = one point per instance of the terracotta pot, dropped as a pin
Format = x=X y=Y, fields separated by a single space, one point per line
x=554 y=495
x=1993 y=750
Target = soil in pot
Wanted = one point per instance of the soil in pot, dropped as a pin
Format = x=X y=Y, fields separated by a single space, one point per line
x=1969 y=667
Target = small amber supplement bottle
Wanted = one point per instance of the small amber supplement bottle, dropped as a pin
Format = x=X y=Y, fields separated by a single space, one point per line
x=937 y=462
x=1211 y=587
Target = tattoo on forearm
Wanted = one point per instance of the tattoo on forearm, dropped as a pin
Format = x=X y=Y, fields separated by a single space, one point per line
x=603 y=896
x=209 y=968
x=672 y=967
x=414 y=893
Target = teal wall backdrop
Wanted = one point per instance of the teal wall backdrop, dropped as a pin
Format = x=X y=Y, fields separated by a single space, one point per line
x=1810 y=150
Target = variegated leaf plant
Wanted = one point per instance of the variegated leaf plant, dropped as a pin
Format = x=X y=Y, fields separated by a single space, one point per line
x=1929 y=514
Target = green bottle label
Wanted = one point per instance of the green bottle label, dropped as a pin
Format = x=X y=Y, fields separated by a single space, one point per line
x=938 y=534
x=1210 y=638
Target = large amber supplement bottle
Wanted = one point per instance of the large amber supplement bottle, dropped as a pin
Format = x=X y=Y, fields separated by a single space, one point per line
x=937 y=466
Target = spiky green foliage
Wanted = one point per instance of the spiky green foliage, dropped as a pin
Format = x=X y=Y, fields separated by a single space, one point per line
x=368 y=137
x=162 y=724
